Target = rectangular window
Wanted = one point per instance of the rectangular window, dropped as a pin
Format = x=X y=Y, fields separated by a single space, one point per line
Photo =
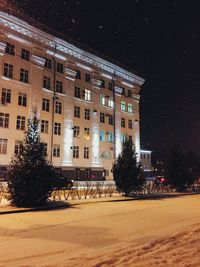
x=3 y=146
x=123 y=137
x=87 y=95
x=102 y=100
x=76 y=152
x=44 y=126
x=110 y=119
x=130 y=124
x=110 y=137
x=24 y=76
x=86 y=152
x=110 y=86
x=60 y=67
x=101 y=135
x=4 y=120
x=87 y=114
x=77 y=112
x=78 y=74
x=10 y=49
x=87 y=133
x=129 y=93
x=48 y=63
x=47 y=82
x=8 y=70
x=56 y=151
x=110 y=102
x=77 y=92
x=59 y=86
x=58 y=107
x=45 y=104
x=5 y=96
x=57 y=128
x=123 y=106
x=25 y=54
x=20 y=124
x=17 y=147
x=123 y=123
x=76 y=131
x=102 y=117
x=45 y=149
x=87 y=77
x=102 y=83
x=130 y=108
x=22 y=99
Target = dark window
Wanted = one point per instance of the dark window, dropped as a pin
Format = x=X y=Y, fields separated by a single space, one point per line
x=87 y=114
x=76 y=152
x=76 y=131
x=102 y=117
x=59 y=86
x=57 y=128
x=25 y=54
x=87 y=77
x=47 y=82
x=20 y=124
x=60 y=67
x=45 y=104
x=48 y=63
x=58 y=107
x=10 y=49
x=17 y=147
x=44 y=126
x=56 y=151
x=77 y=112
x=8 y=70
x=4 y=120
x=110 y=86
x=22 y=99
x=78 y=74
x=102 y=83
x=129 y=93
x=130 y=138
x=77 y=92
x=86 y=152
x=24 y=75
x=123 y=123
x=123 y=91
x=110 y=119
x=5 y=96
x=130 y=124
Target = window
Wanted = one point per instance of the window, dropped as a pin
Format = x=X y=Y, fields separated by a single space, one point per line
x=130 y=124
x=77 y=92
x=123 y=137
x=76 y=152
x=130 y=108
x=47 y=82
x=25 y=54
x=110 y=119
x=60 y=67
x=101 y=135
x=123 y=91
x=57 y=128
x=10 y=49
x=3 y=172
x=110 y=102
x=4 y=120
x=44 y=126
x=129 y=93
x=56 y=151
x=87 y=77
x=17 y=147
x=102 y=84
x=86 y=152
x=45 y=149
x=130 y=138
x=5 y=96
x=87 y=133
x=77 y=112
x=48 y=63
x=87 y=114
x=3 y=146
x=102 y=100
x=110 y=86
x=110 y=137
x=76 y=131
x=78 y=74
x=102 y=117
x=123 y=106
x=87 y=95
x=59 y=86
x=58 y=107
x=20 y=124
x=45 y=104
x=123 y=123
x=22 y=99
x=24 y=76
x=8 y=70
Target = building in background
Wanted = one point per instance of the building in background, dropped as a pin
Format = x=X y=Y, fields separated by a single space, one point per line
x=86 y=104
x=145 y=159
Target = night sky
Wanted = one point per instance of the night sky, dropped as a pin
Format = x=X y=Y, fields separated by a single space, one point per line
x=158 y=39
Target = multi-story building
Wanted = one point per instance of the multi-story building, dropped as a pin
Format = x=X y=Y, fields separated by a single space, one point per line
x=86 y=104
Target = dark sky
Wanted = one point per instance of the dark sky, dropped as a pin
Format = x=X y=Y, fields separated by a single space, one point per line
x=159 y=39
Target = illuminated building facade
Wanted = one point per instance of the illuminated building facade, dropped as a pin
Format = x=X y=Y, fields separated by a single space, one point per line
x=86 y=104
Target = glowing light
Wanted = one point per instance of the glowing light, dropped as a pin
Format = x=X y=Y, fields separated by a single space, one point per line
x=68 y=143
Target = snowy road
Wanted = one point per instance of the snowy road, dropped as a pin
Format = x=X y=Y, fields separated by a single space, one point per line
x=124 y=233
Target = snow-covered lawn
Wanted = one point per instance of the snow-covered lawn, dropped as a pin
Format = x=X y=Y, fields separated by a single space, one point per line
x=139 y=233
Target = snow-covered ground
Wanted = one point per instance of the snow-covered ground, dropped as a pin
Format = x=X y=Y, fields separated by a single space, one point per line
x=139 y=233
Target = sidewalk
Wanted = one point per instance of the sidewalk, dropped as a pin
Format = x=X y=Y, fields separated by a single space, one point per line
x=55 y=205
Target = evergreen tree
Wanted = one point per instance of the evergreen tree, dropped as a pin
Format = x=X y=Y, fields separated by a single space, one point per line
x=127 y=173
x=30 y=176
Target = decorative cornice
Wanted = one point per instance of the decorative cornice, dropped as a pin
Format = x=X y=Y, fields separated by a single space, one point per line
x=2 y=48
x=38 y=60
x=28 y=31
